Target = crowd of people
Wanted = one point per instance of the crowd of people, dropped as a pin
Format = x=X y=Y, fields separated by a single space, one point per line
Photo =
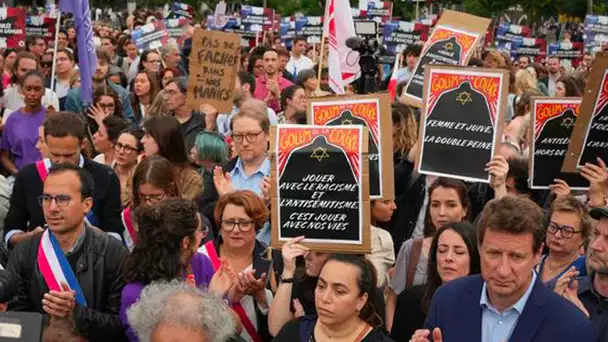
x=137 y=218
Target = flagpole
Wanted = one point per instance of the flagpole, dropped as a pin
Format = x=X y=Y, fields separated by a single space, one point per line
x=57 y=25
x=320 y=65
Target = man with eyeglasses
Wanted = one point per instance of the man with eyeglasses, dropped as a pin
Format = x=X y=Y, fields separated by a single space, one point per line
x=74 y=102
x=64 y=137
x=192 y=122
x=68 y=248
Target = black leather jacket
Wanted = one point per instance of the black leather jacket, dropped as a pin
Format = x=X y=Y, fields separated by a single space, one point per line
x=98 y=272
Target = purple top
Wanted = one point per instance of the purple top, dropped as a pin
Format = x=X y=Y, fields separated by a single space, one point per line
x=203 y=272
x=21 y=135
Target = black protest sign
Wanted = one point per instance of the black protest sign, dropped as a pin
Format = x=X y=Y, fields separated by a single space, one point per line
x=373 y=112
x=589 y=139
x=213 y=65
x=318 y=187
x=452 y=42
x=462 y=121
x=553 y=120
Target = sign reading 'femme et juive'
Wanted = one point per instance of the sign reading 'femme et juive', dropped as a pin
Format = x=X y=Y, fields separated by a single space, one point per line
x=319 y=192
x=464 y=117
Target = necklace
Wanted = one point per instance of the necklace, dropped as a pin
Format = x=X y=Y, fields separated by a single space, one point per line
x=359 y=338
x=551 y=269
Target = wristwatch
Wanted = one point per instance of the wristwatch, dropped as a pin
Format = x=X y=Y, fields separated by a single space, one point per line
x=287 y=280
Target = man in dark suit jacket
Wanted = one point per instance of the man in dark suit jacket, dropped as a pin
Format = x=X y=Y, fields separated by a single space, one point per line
x=508 y=302
x=64 y=135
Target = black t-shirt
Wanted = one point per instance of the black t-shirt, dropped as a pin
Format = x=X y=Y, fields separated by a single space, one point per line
x=292 y=332
x=304 y=291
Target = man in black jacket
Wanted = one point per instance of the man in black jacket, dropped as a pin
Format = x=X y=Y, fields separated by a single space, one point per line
x=93 y=256
x=64 y=135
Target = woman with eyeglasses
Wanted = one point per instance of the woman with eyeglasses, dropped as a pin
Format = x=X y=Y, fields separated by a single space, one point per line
x=240 y=215
x=105 y=138
x=127 y=150
x=567 y=233
x=164 y=137
x=169 y=235
x=150 y=61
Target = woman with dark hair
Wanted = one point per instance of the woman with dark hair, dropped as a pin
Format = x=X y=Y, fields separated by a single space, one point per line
x=568 y=86
x=127 y=150
x=166 y=76
x=307 y=79
x=448 y=202
x=10 y=55
x=453 y=254
x=105 y=139
x=150 y=61
x=144 y=89
x=293 y=102
x=343 y=299
x=106 y=102
x=256 y=65
x=164 y=138
x=166 y=249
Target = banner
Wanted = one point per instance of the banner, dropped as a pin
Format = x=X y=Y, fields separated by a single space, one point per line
x=553 y=121
x=596 y=32
x=41 y=26
x=372 y=112
x=311 y=28
x=257 y=19
x=175 y=29
x=214 y=63
x=319 y=191
x=287 y=31
x=509 y=35
x=150 y=36
x=570 y=54
x=465 y=112
x=12 y=27
x=181 y=10
x=452 y=42
x=399 y=34
x=535 y=48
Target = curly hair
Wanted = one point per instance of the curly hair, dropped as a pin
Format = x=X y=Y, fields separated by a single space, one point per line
x=107 y=91
x=162 y=228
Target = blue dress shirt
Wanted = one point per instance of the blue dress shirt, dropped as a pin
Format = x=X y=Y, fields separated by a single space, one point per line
x=496 y=326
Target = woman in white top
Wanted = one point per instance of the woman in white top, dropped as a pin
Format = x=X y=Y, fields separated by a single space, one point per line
x=63 y=72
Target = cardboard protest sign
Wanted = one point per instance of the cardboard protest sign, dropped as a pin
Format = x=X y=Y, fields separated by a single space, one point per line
x=318 y=187
x=462 y=121
x=12 y=27
x=150 y=36
x=452 y=42
x=553 y=120
x=374 y=113
x=589 y=139
x=399 y=34
x=41 y=26
x=213 y=69
x=570 y=54
x=175 y=29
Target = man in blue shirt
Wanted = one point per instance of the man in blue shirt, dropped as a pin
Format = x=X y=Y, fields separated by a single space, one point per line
x=507 y=302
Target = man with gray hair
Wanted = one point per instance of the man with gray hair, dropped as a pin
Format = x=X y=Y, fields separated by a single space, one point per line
x=176 y=311
x=171 y=57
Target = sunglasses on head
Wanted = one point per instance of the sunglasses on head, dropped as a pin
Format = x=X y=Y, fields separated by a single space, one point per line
x=46 y=64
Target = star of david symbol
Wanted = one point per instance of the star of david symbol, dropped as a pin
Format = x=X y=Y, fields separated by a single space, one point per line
x=347 y=122
x=319 y=154
x=448 y=46
x=567 y=122
x=464 y=98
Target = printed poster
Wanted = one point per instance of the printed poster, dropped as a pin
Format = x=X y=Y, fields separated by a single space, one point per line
x=12 y=27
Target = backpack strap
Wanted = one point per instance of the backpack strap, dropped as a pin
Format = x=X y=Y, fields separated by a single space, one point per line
x=415 y=253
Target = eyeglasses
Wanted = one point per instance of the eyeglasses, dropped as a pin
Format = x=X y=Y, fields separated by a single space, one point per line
x=229 y=225
x=106 y=105
x=567 y=231
x=152 y=199
x=250 y=137
x=125 y=148
x=62 y=201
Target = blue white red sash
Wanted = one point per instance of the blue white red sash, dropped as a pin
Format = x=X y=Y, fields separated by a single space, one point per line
x=44 y=166
x=129 y=234
x=209 y=250
x=55 y=267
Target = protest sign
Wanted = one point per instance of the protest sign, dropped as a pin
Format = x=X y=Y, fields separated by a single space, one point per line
x=175 y=29
x=596 y=32
x=257 y=18
x=570 y=54
x=214 y=65
x=399 y=34
x=462 y=121
x=311 y=28
x=150 y=36
x=12 y=27
x=319 y=188
x=452 y=42
x=535 y=48
x=181 y=10
x=553 y=120
x=589 y=139
x=373 y=112
x=43 y=27
x=287 y=31
x=508 y=36
x=381 y=12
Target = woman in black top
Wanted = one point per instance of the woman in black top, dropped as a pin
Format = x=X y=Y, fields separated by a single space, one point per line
x=343 y=302
x=453 y=254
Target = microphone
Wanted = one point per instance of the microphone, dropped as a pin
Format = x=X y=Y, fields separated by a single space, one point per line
x=354 y=43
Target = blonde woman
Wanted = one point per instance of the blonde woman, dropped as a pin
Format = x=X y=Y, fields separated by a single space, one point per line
x=405 y=129
x=525 y=81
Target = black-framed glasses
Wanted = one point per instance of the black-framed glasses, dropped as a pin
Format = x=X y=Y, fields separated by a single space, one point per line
x=567 y=231
x=107 y=105
x=250 y=137
x=125 y=148
x=61 y=201
x=229 y=225
x=152 y=199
